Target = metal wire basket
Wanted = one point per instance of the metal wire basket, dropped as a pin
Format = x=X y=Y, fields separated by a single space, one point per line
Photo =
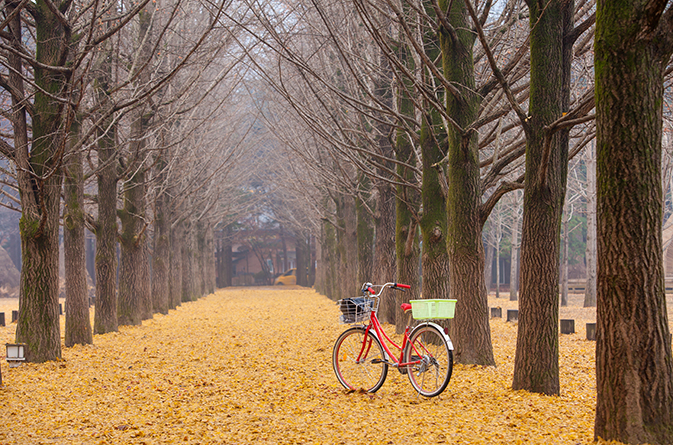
x=357 y=309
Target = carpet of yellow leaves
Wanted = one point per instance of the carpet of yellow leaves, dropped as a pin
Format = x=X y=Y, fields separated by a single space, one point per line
x=253 y=365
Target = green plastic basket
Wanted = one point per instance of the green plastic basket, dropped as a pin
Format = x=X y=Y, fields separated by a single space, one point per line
x=425 y=309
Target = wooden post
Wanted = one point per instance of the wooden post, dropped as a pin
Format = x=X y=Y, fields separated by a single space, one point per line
x=512 y=315
x=496 y=312
x=2 y=318
x=591 y=331
x=567 y=326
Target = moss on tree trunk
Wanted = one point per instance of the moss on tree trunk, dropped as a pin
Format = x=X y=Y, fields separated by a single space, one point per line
x=634 y=367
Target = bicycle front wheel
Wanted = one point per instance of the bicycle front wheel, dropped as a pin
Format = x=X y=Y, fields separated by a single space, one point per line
x=429 y=348
x=359 y=361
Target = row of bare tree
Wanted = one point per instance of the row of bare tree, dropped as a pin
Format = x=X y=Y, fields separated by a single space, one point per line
x=119 y=117
x=410 y=120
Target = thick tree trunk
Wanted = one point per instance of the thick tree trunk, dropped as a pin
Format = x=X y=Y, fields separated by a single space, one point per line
x=105 y=315
x=634 y=367
x=40 y=177
x=435 y=256
x=536 y=365
x=135 y=300
x=77 y=319
x=209 y=260
x=471 y=331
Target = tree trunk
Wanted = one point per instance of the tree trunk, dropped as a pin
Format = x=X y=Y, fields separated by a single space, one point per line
x=406 y=235
x=346 y=237
x=471 y=331
x=40 y=176
x=365 y=237
x=634 y=367
x=488 y=263
x=175 y=282
x=564 y=258
x=187 y=263
x=303 y=258
x=514 y=270
x=161 y=257
x=590 y=286
x=434 y=256
x=536 y=365
x=135 y=300
x=385 y=264
x=105 y=315
x=77 y=319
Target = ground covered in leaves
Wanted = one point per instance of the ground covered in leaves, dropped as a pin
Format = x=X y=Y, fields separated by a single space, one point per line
x=253 y=365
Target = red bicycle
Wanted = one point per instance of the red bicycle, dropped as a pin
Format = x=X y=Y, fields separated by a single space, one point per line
x=361 y=354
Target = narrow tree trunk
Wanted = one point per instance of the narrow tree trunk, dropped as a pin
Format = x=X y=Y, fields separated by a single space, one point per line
x=161 y=257
x=634 y=366
x=347 y=248
x=536 y=365
x=385 y=265
x=187 y=264
x=514 y=270
x=365 y=237
x=590 y=286
x=564 y=257
x=488 y=263
x=175 y=282
x=77 y=319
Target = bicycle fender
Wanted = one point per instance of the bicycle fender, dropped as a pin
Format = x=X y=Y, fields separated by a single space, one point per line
x=441 y=329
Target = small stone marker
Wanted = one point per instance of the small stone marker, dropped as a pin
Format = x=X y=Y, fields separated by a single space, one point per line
x=15 y=316
x=2 y=318
x=591 y=331
x=567 y=326
x=512 y=315
x=496 y=312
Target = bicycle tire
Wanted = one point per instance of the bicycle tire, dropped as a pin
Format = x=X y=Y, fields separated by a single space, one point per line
x=370 y=371
x=432 y=375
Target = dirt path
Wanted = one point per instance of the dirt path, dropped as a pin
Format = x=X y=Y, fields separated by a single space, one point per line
x=253 y=365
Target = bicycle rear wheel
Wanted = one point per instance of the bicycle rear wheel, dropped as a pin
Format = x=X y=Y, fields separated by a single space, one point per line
x=432 y=374
x=359 y=361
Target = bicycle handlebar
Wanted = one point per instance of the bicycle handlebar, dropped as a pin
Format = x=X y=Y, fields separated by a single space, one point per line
x=369 y=287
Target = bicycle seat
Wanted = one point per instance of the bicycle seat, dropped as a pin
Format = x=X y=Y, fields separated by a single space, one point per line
x=406 y=307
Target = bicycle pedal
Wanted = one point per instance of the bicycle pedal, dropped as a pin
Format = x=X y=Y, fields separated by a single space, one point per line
x=376 y=361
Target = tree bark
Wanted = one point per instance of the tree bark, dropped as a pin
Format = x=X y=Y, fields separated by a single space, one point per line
x=471 y=331
x=77 y=318
x=590 y=286
x=40 y=178
x=385 y=265
x=536 y=365
x=634 y=367
x=175 y=282
x=161 y=257
x=365 y=236
x=105 y=315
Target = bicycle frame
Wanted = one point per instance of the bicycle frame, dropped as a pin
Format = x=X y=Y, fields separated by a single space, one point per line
x=385 y=339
